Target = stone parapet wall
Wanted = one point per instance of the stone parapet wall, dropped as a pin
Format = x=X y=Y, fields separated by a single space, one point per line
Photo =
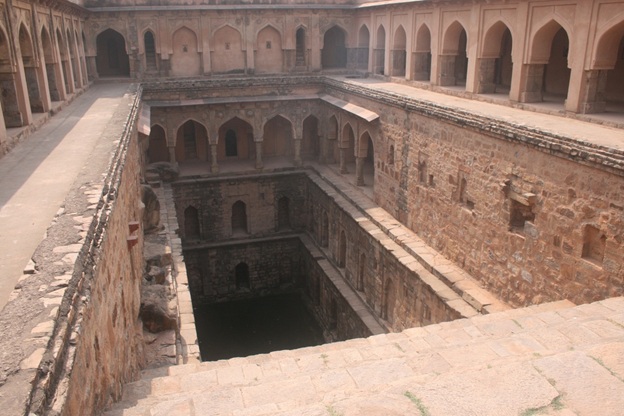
x=97 y=342
x=519 y=208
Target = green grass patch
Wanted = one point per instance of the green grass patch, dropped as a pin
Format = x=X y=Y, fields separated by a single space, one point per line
x=419 y=404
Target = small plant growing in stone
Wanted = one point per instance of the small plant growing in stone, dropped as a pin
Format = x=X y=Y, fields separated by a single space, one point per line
x=419 y=404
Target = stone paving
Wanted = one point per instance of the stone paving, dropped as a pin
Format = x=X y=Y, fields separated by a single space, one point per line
x=552 y=359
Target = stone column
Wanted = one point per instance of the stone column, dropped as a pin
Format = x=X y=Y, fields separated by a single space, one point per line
x=259 y=164
x=343 y=160
x=592 y=93
x=172 y=156
x=297 y=160
x=532 y=83
x=359 y=171
x=214 y=165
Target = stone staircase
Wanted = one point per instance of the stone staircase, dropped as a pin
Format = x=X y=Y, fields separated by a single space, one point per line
x=553 y=359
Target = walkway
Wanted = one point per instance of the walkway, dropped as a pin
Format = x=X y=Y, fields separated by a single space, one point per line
x=575 y=129
x=550 y=359
x=37 y=174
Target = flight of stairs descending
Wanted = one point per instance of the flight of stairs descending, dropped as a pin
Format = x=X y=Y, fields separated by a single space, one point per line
x=552 y=359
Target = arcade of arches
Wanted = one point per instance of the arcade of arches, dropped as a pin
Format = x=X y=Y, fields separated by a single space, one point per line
x=286 y=168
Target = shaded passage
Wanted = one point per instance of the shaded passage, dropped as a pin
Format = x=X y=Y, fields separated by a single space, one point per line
x=255 y=326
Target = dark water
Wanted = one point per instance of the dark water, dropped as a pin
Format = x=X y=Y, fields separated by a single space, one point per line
x=255 y=326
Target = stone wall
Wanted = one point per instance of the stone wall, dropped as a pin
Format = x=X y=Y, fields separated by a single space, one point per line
x=214 y=200
x=535 y=217
x=393 y=291
x=97 y=343
x=243 y=270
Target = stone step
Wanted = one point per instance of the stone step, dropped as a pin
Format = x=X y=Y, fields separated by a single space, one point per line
x=298 y=381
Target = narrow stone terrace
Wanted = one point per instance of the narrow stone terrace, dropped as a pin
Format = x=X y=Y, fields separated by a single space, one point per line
x=554 y=359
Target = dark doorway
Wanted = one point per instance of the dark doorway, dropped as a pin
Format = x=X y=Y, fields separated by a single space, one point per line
x=334 y=53
x=112 y=59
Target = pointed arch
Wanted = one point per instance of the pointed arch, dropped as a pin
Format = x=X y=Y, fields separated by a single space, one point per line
x=495 y=63
x=228 y=55
x=269 y=56
x=334 y=52
x=191 y=223
x=277 y=137
x=51 y=65
x=310 y=146
x=454 y=59
x=399 y=52
x=157 y=150
x=301 y=51
x=236 y=140
x=191 y=142
x=149 y=48
x=30 y=70
x=366 y=152
x=608 y=56
x=186 y=58
x=112 y=58
x=239 y=218
x=363 y=47
x=542 y=41
x=347 y=142
x=380 y=51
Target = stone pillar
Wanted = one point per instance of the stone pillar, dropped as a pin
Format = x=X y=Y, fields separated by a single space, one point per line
x=172 y=156
x=214 y=165
x=446 y=68
x=532 y=83
x=297 y=151
x=359 y=171
x=259 y=164
x=343 y=160
x=592 y=94
x=21 y=90
x=487 y=70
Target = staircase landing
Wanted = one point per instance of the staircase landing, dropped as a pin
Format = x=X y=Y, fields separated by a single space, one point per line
x=550 y=359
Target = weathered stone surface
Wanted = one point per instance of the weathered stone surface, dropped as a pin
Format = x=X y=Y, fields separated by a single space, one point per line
x=165 y=171
x=156 y=312
x=151 y=215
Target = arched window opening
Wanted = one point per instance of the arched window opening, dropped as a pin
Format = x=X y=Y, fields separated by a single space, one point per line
x=342 y=250
x=157 y=150
x=310 y=140
x=239 y=218
x=495 y=64
x=363 y=48
x=391 y=155
x=380 y=51
x=191 y=223
x=231 y=148
x=28 y=60
x=112 y=59
x=557 y=73
x=283 y=213
x=150 y=51
x=190 y=141
x=240 y=136
x=422 y=55
x=50 y=65
x=241 y=275
x=399 y=53
x=454 y=59
x=300 y=54
x=278 y=138
x=334 y=52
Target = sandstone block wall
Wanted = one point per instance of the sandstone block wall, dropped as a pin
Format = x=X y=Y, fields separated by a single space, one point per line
x=272 y=266
x=107 y=350
x=520 y=210
x=214 y=200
